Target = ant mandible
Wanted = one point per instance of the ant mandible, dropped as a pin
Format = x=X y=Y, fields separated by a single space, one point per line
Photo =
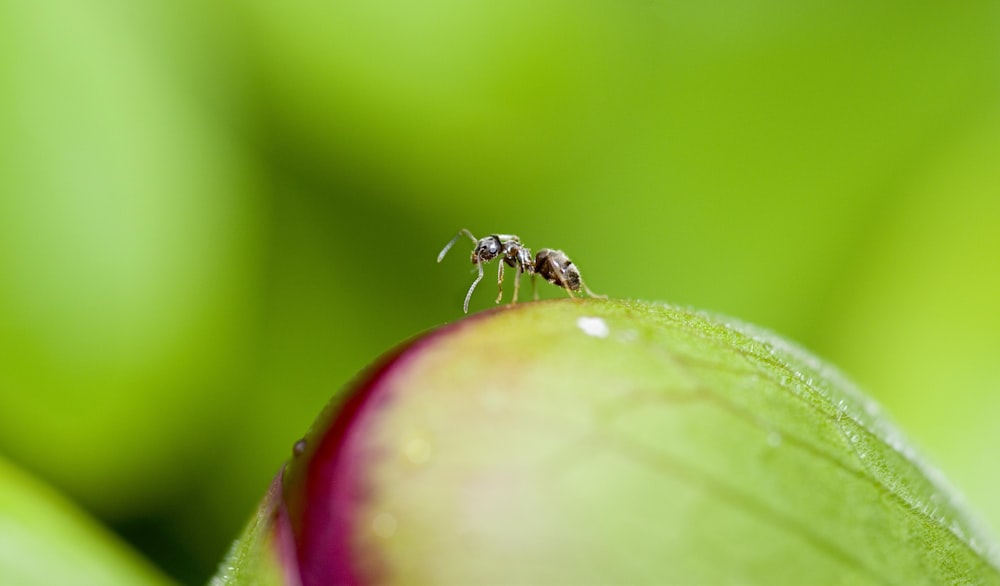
x=553 y=265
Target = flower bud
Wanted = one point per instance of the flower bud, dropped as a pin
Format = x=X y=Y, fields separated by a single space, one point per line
x=606 y=442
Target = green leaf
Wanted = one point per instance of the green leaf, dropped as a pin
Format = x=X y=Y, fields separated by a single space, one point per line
x=619 y=442
x=46 y=540
x=264 y=555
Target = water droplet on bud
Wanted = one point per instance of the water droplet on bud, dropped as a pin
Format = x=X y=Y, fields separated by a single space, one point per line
x=384 y=525
x=417 y=450
x=774 y=439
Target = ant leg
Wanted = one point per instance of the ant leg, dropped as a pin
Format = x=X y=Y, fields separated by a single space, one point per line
x=473 y=287
x=589 y=292
x=534 y=288
x=517 y=284
x=499 y=281
x=451 y=242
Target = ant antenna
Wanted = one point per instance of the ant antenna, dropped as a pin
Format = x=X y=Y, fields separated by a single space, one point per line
x=451 y=243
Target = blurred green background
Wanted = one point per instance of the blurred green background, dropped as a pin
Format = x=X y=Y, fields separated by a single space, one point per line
x=213 y=214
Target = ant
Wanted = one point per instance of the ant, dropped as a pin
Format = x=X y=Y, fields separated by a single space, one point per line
x=553 y=265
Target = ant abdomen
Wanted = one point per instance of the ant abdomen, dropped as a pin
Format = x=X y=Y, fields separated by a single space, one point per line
x=555 y=267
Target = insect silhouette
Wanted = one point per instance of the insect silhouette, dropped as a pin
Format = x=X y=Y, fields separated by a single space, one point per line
x=553 y=265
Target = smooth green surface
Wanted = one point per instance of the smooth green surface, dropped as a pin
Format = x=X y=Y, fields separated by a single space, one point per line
x=629 y=442
x=125 y=219
x=45 y=540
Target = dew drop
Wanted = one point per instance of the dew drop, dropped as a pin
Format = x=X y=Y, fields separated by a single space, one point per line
x=384 y=525
x=417 y=450
x=593 y=326
x=774 y=439
x=300 y=447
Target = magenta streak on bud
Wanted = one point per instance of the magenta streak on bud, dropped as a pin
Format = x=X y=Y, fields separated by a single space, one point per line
x=334 y=484
x=282 y=534
x=325 y=484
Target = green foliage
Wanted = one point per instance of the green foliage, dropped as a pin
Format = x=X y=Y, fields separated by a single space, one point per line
x=629 y=442
x=44 y=540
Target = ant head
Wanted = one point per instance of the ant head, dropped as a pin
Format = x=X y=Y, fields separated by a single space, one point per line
x=486 y=249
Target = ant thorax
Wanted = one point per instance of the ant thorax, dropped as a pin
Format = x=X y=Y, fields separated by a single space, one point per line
x=518 y=256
